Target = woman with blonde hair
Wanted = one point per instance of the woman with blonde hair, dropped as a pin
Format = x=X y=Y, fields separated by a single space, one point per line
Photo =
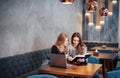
x=60 y=47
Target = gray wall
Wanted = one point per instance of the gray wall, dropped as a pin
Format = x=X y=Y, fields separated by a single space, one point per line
x=119 y=32
x=28 y=25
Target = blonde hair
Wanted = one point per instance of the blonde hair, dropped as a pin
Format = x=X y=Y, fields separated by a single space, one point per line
x=59 y=43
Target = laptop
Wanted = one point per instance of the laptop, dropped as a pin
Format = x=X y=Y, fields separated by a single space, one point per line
x=59 y=60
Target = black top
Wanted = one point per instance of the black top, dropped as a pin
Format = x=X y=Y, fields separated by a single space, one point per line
x=55 y=50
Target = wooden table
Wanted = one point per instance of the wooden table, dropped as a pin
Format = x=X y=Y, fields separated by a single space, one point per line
x=87 y=71
x=105 y=48
x=104 y=56
x=107 y=57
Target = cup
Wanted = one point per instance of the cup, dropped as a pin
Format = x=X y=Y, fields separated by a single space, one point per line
x=104 y=46
x=95 y=53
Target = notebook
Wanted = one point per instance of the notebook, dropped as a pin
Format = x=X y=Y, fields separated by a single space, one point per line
x=59 y=60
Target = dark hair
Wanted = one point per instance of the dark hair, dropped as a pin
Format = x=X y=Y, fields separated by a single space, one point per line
x=80 y=44
x=76 y=34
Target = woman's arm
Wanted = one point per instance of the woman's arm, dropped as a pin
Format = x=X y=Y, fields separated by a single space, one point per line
x=69 y=57
x=70 y=53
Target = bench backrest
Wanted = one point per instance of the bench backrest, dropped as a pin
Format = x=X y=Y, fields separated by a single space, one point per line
x=14 y=66
x=91 y=44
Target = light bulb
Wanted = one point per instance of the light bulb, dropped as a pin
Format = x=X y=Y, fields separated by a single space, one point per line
x=114 y=1
x=102 y=22
x=87 y=14
x=90 y=24
x=98 y=27
x=110 y=13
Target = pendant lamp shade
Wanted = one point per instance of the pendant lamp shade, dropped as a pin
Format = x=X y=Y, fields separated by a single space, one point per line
x=91 y=5
x=66 y=1
x=103 y=11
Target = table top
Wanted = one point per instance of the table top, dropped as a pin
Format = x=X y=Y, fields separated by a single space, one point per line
x=105 y=48
x=85 y=71
x=107 y=56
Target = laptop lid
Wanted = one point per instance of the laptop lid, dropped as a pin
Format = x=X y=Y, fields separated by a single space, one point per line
x=58 y=60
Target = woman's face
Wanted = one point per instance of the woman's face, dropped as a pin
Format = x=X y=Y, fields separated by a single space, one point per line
x=66 y=42
x=75 y=41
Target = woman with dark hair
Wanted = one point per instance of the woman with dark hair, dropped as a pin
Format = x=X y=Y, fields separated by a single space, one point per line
x=77 y=43
x=60 y=47
x=77 y=47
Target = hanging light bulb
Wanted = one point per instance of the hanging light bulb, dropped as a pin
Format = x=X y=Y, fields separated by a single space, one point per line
x=90 y=24
x=87 y=14
x=67 y=1
x=102 y=22
x=110 y=13
x=114 y=1
x=98 y=27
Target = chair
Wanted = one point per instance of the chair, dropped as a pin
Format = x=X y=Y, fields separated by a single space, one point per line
x=94 y=60
x=113 y=74
x=42 y=76
x=106 y=51
x=118 y=58
x=118 y=68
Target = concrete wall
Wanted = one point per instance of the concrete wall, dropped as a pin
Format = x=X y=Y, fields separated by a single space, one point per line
x=119 y=33
x=28 y=25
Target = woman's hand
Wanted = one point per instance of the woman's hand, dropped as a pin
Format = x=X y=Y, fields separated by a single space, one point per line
x=69 y=57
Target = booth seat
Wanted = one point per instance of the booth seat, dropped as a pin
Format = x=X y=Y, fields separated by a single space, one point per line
x=23 y=65
x=91 y=44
